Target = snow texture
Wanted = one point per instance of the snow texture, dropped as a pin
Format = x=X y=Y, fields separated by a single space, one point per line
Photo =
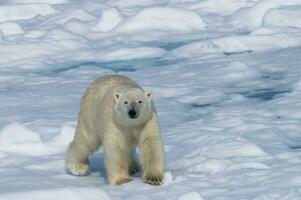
x=226 y=81
x=109 y=19
x=287 y=16
x=163 y=19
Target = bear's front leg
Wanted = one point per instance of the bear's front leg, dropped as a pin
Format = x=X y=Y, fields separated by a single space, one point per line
x=116 y=161
x=77 y=160
x=152 y=153
x=152 y=161
x=82 y=146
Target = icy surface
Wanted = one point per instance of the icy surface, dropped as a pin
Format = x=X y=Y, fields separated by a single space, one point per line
x=163 y=19
x=109 y=19
x=22 y=12
x=287 y=16
x=191 y=196
x=10 y=28
x=66 y=193
x=251 y=17
x=226 y=83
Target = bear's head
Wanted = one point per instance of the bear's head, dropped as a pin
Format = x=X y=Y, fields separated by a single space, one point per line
x=133 y=107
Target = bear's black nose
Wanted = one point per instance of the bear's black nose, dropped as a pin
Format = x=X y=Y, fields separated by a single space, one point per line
x=133 y=114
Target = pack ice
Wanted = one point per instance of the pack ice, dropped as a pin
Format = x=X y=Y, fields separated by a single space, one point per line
x=226 y=82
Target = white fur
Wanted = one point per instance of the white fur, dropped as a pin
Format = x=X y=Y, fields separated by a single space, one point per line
x=104 y=120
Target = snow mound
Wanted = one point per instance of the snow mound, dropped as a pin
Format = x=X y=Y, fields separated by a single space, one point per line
x=190 y=196
x=109 y=19
x=196 y=49
x=66 y=193
x=209 y=167
x=78 y=14
x=16 y=133
x=236 y=44
x=66 y=135
x=262 y=39
x=168 y=178
x=16 y=138
x=21 y=12
x=163 y=19
x=287 y=16
x=10 y=28
x=214 y=6
x=250 y=18
x=131 y=53
x=236 y=72
x=50 y=48
x=240 y=149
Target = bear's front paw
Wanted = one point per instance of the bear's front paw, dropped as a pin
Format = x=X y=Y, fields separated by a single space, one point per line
x=78 y=169
x=120 y=180
x=153 y=180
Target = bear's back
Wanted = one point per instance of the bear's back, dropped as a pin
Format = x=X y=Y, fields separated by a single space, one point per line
x=113 y=81
x=110 y=84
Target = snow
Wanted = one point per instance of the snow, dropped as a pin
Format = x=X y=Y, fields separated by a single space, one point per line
x=17 y=139
x=251 y=17
x=214 y=6
x=40 y=1
x=236 y=44
x=67 y=193
x=16 y=133
x=65 y=136
x=261 y=39
x=76 y=14
x=22 y=12
x=132 y=53
x=287 y=16
x=191 y=196
x=109 y=19
x=163 y=19
x=10 y=28
x=226 y=82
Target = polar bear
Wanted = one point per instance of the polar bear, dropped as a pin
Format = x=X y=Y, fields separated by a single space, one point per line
x=117 y=113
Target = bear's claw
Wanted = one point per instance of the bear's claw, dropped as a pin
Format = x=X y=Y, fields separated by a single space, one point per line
x=123 y=180
x=153 y=180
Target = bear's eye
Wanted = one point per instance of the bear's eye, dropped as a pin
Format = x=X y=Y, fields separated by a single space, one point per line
x=125 y=102
x=139 y=101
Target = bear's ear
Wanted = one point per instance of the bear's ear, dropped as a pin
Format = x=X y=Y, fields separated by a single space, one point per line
x=149 y=95
x=116 y=96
